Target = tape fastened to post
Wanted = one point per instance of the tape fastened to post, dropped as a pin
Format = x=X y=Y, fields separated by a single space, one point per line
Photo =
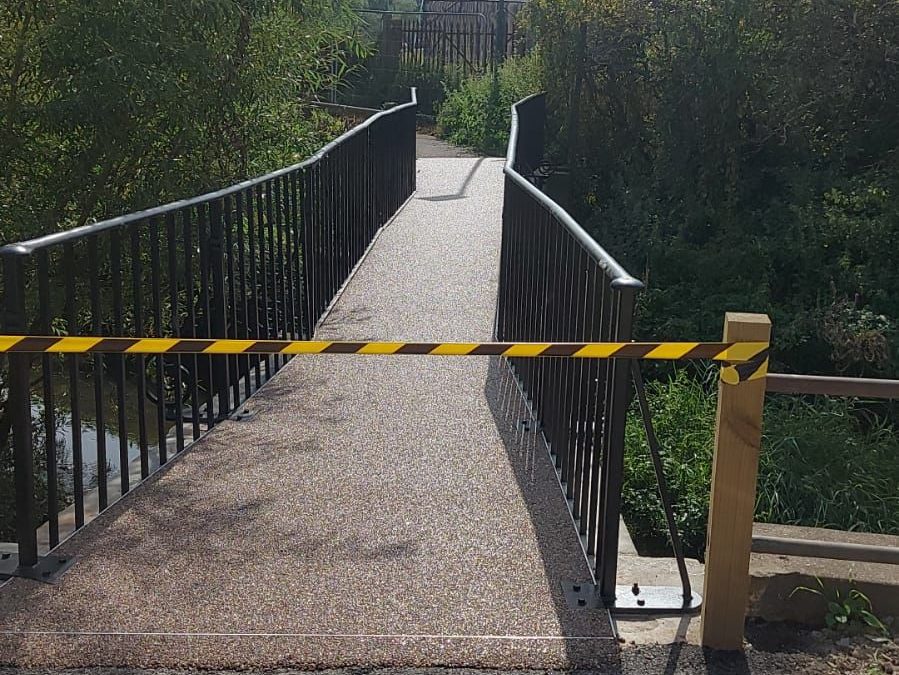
x=746 y=360
x=753 y=369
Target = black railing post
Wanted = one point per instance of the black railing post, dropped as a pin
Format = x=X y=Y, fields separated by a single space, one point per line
x=218 y=307
x=307 y=254
x=613 y=462
x=19 y=410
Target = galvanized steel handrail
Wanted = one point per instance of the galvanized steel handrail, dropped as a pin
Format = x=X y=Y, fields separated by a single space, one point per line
x=620 y=277
x=29 y=246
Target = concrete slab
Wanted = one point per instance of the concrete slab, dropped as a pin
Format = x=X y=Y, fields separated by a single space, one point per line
x=776 y=577
x=647 y=571
x=377 y=511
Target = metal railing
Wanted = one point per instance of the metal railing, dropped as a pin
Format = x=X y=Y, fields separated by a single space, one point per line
x=261 y=259
x=557 y=284
x=433 y=41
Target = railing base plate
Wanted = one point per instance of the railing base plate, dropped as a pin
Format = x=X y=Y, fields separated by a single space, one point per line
x=654 y=600
x=48 y=569
x=658 y=600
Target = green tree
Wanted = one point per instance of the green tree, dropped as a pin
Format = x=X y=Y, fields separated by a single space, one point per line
x=115 y=105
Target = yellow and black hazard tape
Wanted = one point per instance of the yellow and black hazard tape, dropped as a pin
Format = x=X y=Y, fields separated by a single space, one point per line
x=746 y=360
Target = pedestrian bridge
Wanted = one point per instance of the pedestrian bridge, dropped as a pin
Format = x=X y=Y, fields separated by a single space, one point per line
x=327 y=510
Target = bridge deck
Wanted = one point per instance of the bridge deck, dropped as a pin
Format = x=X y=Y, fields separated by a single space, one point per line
x=375 y=511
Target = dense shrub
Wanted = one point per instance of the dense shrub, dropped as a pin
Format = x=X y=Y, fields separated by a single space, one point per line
x=743 y=155
x=824 y=463
x=115 y=105
x=478 y=114
x=739 y=155
x=373 y=84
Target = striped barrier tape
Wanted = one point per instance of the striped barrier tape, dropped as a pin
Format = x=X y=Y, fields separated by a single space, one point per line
x=745 y=361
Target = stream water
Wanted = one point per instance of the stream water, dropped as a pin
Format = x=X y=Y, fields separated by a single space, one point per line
x=90 y=434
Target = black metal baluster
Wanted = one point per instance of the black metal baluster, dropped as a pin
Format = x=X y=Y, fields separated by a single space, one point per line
x=50 y=454
x=93 y=255
x=285 y=236
x=601 y=433
x=175 y=328
x=317 y=250
x=191 y=326
x=588 y=407
x=294 y=256
x=217 y=301
x=257 y=321
x=568 y=365
x=359 y=197
x=324 y=252
x=232 y=309
x=244 y=303
x=333 y=238
x=278 y=286
x=115 y=254
x=593 y=443
x=203 y=240
x=155 y=285
x=263 y=269
x=137 y=283
x=272 y=275
x=343 y=205
x=308 y=254
x=15 y=322
x=74 y=397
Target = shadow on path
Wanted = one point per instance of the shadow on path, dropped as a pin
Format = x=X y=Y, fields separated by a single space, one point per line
x=463 y=189
x=559 y=546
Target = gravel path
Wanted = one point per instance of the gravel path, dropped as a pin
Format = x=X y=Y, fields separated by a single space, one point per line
x=430 y=147
x=645 y=660
x=377 y=511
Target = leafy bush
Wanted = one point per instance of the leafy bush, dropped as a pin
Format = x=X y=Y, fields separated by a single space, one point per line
x=116 y=105
x=478 y=114
x=373 y=84
x=739 y=155
x=824 y=463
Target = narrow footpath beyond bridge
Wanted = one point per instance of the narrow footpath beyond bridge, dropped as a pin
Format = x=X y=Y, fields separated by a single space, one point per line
x=374 y=511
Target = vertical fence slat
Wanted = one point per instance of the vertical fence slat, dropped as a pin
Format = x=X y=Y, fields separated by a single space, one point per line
x=19 y=402
x=137 y=290
x=50 y=449
x=174 y=361
x=156 y=291
x=74 y=397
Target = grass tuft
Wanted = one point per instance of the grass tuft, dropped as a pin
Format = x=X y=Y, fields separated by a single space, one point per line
x=824 y=463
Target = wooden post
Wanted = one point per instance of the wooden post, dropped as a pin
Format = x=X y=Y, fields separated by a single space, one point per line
x=738 y=436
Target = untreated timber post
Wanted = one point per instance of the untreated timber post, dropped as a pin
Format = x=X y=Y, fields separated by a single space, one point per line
x=738 y=436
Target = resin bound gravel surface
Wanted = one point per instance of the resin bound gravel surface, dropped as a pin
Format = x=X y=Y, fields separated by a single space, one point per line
x=376 y=511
